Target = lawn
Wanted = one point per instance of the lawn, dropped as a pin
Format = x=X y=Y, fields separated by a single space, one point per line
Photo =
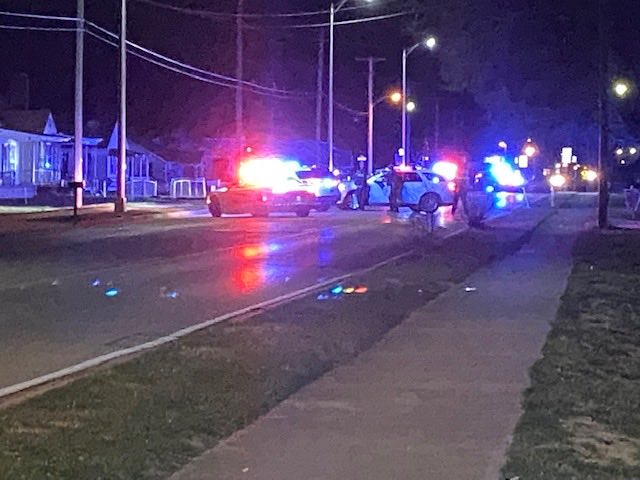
x=582 y=412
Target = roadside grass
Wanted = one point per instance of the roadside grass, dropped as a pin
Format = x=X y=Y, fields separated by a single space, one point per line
x=582 y=412
x=148 y=416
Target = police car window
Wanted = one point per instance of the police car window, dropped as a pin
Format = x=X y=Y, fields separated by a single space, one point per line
x=411 y=177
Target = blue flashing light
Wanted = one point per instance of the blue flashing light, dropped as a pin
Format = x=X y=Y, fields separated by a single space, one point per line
x=490 y=189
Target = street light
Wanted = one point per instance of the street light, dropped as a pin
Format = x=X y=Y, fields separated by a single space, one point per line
x=619 y=151
x=503 y=145
x=411 y=106
x=633 y=150
x=430 y=43
x=622 y=88
x=395 y=97
x=530 y=151
x=332 y=16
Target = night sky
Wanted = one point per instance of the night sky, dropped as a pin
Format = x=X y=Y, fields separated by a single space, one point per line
x=505 y=68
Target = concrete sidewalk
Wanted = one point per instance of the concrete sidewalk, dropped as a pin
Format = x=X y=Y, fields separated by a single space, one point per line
x=437 y=399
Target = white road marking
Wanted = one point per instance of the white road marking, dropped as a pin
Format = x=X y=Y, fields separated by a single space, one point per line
x=252 y=309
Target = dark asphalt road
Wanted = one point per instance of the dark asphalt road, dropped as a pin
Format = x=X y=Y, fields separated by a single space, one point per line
x=166 y=275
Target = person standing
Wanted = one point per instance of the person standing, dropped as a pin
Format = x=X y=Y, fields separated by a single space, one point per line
x=462 y=187
x=396 y=183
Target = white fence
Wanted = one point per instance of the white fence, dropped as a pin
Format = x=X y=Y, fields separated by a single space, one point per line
x=188 y=188
x=141 y=188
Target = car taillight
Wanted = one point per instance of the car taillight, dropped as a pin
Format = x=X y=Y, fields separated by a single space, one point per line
x=452 y=186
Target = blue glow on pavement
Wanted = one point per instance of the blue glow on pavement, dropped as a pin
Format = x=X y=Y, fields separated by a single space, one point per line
x=337 y=290
x=112 y=292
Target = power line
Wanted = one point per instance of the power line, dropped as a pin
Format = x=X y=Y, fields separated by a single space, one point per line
x=199 y=70
x=194 y=75
x=255 y=87
x=41 y=17
x=225 y=15
x=39 y=29
x=343 y=22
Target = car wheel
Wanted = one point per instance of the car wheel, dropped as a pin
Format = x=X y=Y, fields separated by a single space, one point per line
x=214 y=208
x=303 y=212
x=429 y=202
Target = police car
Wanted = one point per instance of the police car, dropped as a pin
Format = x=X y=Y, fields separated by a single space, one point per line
x=265 y=186
x=323 y=184
x=422 y=191
x=260 y=202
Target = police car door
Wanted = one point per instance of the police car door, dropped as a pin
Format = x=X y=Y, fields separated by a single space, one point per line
x=413 y=187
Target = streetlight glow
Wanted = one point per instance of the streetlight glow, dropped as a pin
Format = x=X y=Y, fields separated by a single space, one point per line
x=530 y=151
x=411 y=106
x=621 y=88
x=395 y=97
x=503 y=145
x=619 y=151
x=633 y=150
x=431 y=43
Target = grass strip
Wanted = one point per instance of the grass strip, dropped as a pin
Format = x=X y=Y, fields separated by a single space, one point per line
x=147 y=417
x=582 y=412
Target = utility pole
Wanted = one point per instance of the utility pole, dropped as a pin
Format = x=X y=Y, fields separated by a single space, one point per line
x=78 y=133
x=240 y=74
x=320 y=91
x=332 y=19
x=371 y=61
x=121 y=196
x=603 y=154
x=436 y=136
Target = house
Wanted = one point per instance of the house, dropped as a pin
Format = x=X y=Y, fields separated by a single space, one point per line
x=30 y=152
x=147 y=173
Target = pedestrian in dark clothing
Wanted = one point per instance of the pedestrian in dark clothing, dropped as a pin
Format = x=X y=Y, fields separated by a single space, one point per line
x=395 y=180
x=462 y=187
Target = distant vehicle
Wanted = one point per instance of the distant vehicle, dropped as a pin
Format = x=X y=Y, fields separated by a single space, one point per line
x=422 y=191
x=323 y=184
x=261 y=201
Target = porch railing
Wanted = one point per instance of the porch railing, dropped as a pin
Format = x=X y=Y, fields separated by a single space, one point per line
x=8 y=178
x=188 y=188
